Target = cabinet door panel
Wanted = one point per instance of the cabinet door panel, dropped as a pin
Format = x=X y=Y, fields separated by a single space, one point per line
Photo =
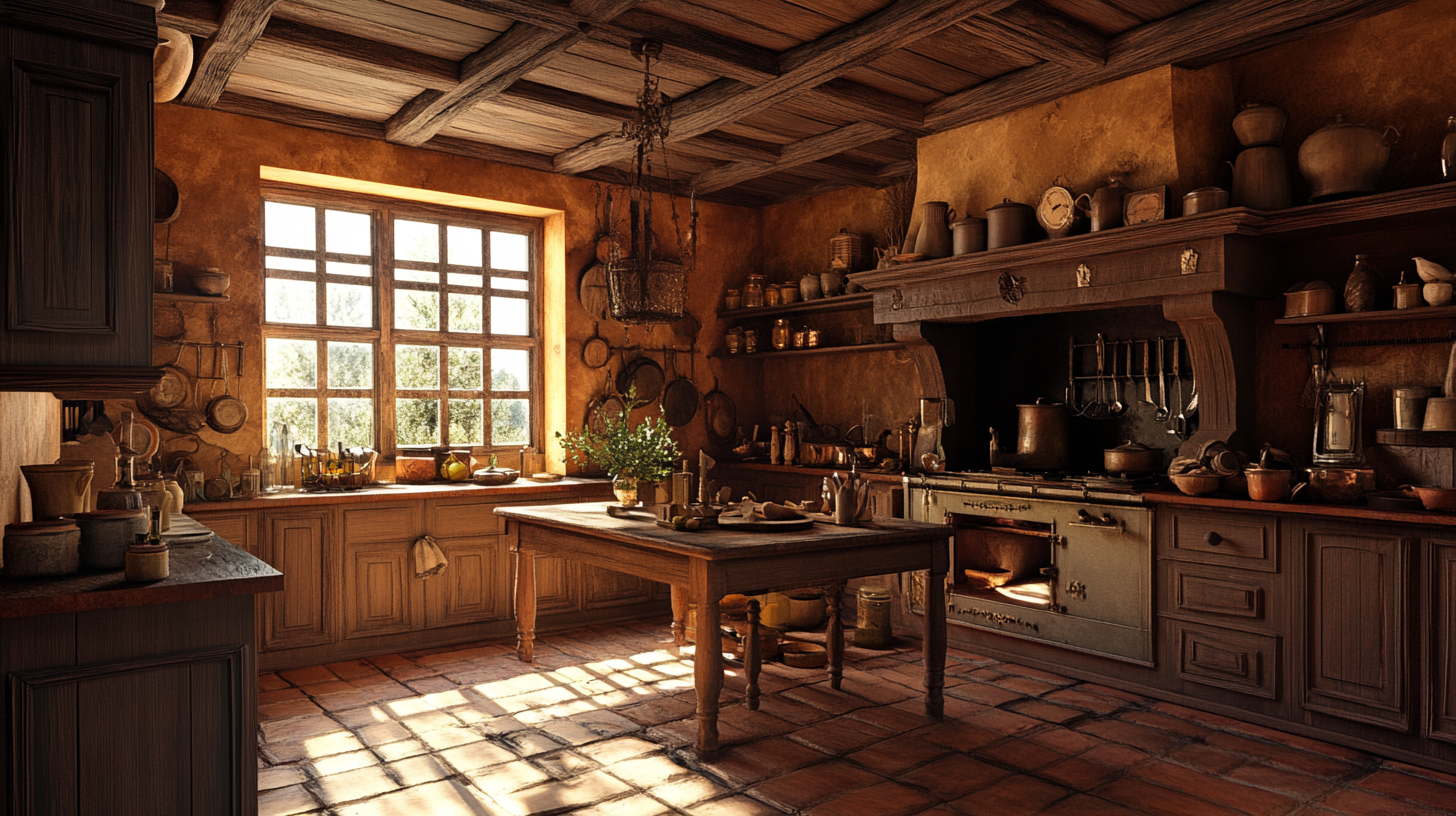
x=1441 y=561
x=300 y=615
x=472 y=588
x=377 y=594
x=1355 y=652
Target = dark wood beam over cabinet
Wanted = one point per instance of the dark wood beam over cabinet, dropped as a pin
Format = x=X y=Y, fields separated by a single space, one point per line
x=803 y=67
x=241 y=25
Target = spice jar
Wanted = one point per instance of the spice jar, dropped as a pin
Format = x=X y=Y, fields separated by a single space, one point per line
x=733 y=339
x=732 y=300
x=801 y=336
x=781 y=333
x=811 y=338
x=771 y=295
x=872 y=620
x=750 y=341
x=753 y=292
x=788 y=292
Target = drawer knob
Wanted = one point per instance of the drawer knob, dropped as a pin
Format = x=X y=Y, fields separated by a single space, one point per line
x=1213 y=539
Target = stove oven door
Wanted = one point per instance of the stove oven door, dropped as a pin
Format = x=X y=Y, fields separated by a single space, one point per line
x=1104 y=574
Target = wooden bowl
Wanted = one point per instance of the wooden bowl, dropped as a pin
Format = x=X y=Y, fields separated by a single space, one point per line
x=1197 y=484
x=1437 y=498
x=210 y=282
x=803 y=655
x=499 y=476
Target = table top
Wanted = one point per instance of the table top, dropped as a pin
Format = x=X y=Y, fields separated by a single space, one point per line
x=641 y=529
x=198 y=571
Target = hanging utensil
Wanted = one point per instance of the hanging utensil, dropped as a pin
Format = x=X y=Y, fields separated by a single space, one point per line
x=1117 y=407
x=1147 y=380
x=680 y=397
x=171 y=390
x=596 y=351
x=1072 y=379
x=1162 y=414
x=168 y=322
x=720 y=415
x=226 y=414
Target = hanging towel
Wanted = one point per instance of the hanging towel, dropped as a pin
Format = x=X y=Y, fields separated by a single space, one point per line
x=429 y=558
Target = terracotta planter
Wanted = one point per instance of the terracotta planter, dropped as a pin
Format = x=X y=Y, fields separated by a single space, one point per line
x=58 y=490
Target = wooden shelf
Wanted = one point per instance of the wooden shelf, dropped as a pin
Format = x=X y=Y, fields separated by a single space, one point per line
x=723 y=355
x=1416 y=439
x=178 y=296
x=838 y=303
x=1385 y=316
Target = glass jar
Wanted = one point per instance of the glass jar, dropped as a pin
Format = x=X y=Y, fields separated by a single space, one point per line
x=788 y=293
x=781 y=333
x=733 y=339
x=753 y=292
x=801 y=336
x=732 y=300
x=872 y=620
x=1448 y=151
x=771 y=295
x=750 y=341
x=811 y=338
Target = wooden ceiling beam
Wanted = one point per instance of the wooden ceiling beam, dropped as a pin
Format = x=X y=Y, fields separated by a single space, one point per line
x=1032 y=28
x=1226 y=27
x=241 y=24
x=869 y=105
x=801 y=152
x=802 y=67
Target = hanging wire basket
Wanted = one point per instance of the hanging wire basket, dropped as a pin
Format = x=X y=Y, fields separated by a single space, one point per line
x=643 y=293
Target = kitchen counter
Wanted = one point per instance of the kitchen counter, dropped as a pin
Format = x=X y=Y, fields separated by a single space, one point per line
x=1425 y=518
x=520 y=490
x=216 y=569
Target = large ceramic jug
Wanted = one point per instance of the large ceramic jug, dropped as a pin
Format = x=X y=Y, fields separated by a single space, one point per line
x=934 y=238
x=1343 y=159
x=58 y=490
x=1261 y=179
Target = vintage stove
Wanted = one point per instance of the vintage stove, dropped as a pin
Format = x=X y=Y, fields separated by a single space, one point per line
x=1075 y=553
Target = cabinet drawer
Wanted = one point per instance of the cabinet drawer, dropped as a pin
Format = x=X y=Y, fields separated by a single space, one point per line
x=1226 y=539
x=465 y=518
x=388 y=523
x=1237 y=661
x=1218 y=596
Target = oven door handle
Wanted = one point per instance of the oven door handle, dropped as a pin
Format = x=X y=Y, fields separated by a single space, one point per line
x=1107 y=522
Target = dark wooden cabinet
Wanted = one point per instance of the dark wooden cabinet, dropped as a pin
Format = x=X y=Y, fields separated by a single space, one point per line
x=1441 y=697
x=303 y=613
x=1355 y=627
x=75 y=234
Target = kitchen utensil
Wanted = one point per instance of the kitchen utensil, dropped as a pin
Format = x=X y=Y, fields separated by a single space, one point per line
x=803 y=655
x=1435 y=498
x=1128 y=371
x=1410 y=406
x=1440 y=414
x=596 y=351
x=1118 y=407
x=1343 y=159
x=167 y=202
x=591 y=290
x=847 y=248
x=1260 y=123
x=1337 y=435
x=1147 y=381
x=1309 y=299
x=934 y=238
x=968 y=235
x=1197 y=484
x=35 y=549
x=1407 y=295
x=168 y=322
x=1072 y=380
x=141 y=440
x=171 y=65
x=1205 y=199
x=212 y=282
x=1398 y=501
x=643 y=374
x=1261 y=179
x=720 y=415
x=1132 y=457
x=226 y=414
x=1008 y=224
x=1268 y=485
x=56 y=490
x=1104 y=207
x=1042 y=432
x=680 y=397
x=1161 y=414
x=1339 y=485
x=1437 y=294
x=171 y=390
x=494 y=477
x=1100 y=408
x=1180 y=422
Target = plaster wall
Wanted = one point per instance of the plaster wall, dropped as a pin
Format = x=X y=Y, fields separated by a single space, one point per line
x=30 y=434
x=215 y=159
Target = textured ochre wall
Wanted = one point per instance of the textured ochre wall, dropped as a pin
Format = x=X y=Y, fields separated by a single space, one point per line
x=30 y=434
x=215 y=159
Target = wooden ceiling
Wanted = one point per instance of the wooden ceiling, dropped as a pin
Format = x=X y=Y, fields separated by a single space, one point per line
x=773 y=99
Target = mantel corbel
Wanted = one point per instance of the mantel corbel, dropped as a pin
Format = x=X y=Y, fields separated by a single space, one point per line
x=931 y=379
x=1218 y=330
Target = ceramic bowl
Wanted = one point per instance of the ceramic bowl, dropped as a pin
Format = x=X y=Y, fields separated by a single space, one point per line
x=1197 y=484
x=1437 y=498
x=1268 y=485
x=498 y=476
x=803 y=655
x=1437 y=294
x=211 y=282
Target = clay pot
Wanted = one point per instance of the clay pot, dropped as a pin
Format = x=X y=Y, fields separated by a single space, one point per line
x=809 y=288
x=1261 y=179
x=1343 y=159
x=1268 y=485
x=1260 y=124
x=806 y=610
x=830 y=283
x=934 y=238
x=36 y=549
x=211 y=281
x=1437 y=294
x=171 y=64
x=105 y=535
x=58 y=490
x=1440 y=414
x=1008 y=224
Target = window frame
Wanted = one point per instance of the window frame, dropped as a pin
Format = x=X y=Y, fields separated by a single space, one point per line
x=383 y=336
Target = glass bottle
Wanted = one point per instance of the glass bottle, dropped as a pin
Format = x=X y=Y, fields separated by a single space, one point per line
x=1448 y=151
x=781 y=333
x=771 y=295
x=750 y=341
x=753 y=292
x=1360 y=288
x=733 y=339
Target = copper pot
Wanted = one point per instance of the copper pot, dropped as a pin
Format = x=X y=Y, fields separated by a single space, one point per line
x=1343 y=159
x=1042 y=431
x=1132 y=457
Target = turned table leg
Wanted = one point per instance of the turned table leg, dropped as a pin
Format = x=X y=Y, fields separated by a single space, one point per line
x=935 y=635
x=752 y=660
x=707 y=656
x=679 y=616
x=526 y=604
x=834 y=641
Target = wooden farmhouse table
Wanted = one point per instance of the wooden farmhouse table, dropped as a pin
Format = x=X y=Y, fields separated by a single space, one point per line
x=704 y=566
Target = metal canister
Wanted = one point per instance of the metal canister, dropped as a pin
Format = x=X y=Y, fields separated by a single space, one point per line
x=1410 y=406
x=872 y=624
x=1009 y=224
x=968 y=235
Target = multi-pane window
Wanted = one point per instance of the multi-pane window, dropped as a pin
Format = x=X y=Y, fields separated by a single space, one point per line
x=391 y=325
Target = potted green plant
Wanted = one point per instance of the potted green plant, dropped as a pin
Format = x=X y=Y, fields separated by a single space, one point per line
x=630 y=454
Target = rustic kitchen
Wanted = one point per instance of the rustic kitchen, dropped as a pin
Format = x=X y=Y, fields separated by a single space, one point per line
x=1048 y=405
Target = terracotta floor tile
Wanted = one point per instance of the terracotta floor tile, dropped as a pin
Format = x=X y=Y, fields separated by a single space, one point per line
x=814 y=784
x=734 y=806
x=1083 y=805
x=897 y=754
x=1299 y=785
x=271 y=682
x=825 y=698
x=658 y=711
x=329 y=687
x=1077 y=773
x=444 y=798
x=1024 y=755
x=684 y=793
x=345 y=701
x=530 y=743
x=616 y=750
x=839 y=736
x=400 y=750
x=1064 y=741
x=1364 y=803
x=1026 y=685
x=1206 y=759
x=1002 y=722
x=959 y=735
x=287 y=710
x=1037 y=674
x=1014 y=794
x=476 y=755
x=1301 y=761
x=898 y=718
x=1140 y=795
x=308 y=675
x=1148 y=739
x=417 y=770
x=501 y=780
x=1113 y=755
x=557 y=795
x=953 y=777
x=884 y=799
x=1077 y=697
x=1434 y=776
x=358 y=717
x=339 y=763
x=984 y=693
x=648 y=771
x=280 y=777
x=743 y=765
x=1163 y=722
x=1206 y=786
x=564 y=764
x=442 y=738
x=353 y=670
x=1048 y=712
x=637 y=804
x=279 y=695
x=382 y=733
x=355 y=785
x=298 y=728
x=1410 y=788
x=286 y=801
x=1296 y=741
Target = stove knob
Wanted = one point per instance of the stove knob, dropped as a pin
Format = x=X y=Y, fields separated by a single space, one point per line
x=1213 y=539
